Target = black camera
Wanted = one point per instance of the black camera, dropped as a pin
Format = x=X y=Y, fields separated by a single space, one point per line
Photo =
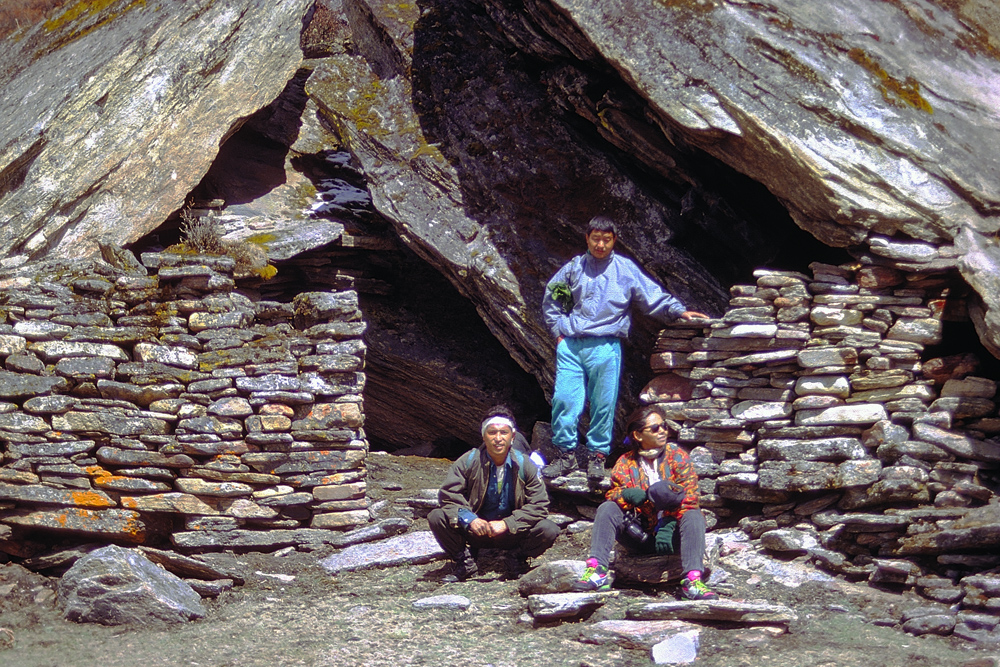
x=633 y=531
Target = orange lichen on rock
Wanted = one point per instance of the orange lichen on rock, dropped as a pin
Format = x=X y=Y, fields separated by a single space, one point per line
x=90 y=499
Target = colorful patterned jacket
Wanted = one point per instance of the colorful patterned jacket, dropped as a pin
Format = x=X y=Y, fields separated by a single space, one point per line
x=674 y=466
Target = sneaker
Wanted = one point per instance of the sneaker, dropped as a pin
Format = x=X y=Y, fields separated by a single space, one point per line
x=595 y=465
x=515 y=564
x=595 y=578
x=464 y=567
x=563 y=464
x=695 y=589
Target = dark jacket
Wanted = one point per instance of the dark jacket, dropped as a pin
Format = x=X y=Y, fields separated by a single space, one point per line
x=465 y=487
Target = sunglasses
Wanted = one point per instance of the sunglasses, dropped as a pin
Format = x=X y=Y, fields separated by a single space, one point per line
x=656 y=428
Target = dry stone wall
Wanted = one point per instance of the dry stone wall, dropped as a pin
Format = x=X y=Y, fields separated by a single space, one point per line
x=815 y=420
x=170 y=407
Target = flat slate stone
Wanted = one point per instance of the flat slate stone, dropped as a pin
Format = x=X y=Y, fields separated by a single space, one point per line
x=642 y=635
x=956 y=443
x=715 y=610
x=108 y=524
x=409 y=549
x=566 y=605
x=16 y=385
x=818 y=449
x=842 y=414
x=209 y=567
x=36 y=493
x=458 y=602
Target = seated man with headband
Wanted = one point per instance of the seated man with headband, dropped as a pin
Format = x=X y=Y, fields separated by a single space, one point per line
x=493 y=498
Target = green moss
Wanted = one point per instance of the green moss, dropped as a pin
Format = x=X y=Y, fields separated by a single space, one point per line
x=893 y=90
x=428 y=149
x=268 y=272
x=305 y=195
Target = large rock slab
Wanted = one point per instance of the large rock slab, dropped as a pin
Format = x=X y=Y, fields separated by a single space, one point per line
x=444 y=125
x=409 y=549
x=735 y=611
x=566 y=605
x=128 y=108
x=641 y=635
x=117 y=586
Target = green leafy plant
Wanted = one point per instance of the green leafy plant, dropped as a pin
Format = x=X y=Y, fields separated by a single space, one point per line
x=562 y=295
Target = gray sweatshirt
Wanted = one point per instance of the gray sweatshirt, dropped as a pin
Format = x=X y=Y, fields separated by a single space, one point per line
x=603 y=292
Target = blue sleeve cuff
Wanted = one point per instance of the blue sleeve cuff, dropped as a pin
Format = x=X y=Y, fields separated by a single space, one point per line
x=465 y=517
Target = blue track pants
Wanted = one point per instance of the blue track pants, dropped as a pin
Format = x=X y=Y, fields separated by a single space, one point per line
x=587 y=370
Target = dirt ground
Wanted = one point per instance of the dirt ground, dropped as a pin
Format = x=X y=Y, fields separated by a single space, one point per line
x=367 y=618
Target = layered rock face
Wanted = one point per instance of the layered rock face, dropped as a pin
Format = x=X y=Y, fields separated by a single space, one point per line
x=171 y=407
x=114 y=111
x=867 y=120
x=812 y=399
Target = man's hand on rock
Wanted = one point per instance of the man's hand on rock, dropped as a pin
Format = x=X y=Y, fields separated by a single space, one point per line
x=693 y=315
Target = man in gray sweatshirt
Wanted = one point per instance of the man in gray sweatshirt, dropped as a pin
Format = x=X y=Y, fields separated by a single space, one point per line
x=587 y=307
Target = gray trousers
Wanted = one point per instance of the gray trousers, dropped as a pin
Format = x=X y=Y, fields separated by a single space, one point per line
x=608 y=527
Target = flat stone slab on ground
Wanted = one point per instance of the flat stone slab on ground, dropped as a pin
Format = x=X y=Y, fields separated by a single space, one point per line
x=566 y=605
x=643 y=635
x=209 y=567
x=459 y=602
x=715 y=610
x=408 y=549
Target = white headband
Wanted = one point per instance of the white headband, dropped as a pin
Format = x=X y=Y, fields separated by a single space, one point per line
x=497 y=420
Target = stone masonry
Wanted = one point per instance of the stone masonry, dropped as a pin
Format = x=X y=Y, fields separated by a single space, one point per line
x=815 y=420
x=172 y=408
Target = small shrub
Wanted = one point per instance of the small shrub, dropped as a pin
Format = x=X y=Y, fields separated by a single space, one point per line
x=201 y=234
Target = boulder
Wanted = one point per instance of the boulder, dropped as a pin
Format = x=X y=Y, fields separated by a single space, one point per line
x=117 y=586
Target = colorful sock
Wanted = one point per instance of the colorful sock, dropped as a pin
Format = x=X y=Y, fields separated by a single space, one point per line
x=693 y=575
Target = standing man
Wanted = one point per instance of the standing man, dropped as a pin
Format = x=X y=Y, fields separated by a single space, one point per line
x=587 y=308
x=493 y=498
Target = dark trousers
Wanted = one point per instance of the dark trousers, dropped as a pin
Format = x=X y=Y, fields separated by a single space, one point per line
x=453 y=540
x=608 y=527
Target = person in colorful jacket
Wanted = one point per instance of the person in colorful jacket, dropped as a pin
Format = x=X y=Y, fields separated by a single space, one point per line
x=656 y=478
x=587 y=307
x=493 y=497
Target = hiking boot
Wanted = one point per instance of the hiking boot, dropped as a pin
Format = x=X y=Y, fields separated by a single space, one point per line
x=695 y=589
x=515 y=563
x=463 y=567
x=595 y=578
x=563 y=464
x=595 y=465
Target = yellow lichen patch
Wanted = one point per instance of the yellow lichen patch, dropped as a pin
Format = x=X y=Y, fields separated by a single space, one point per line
x=268 y=272
x=261 y=239
x=83 y=10
x=893 y=90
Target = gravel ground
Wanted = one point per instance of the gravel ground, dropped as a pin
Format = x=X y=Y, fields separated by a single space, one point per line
x=367 y=618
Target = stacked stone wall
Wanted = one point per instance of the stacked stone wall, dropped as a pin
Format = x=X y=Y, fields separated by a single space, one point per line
x=815 y=419
x=172 y=408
